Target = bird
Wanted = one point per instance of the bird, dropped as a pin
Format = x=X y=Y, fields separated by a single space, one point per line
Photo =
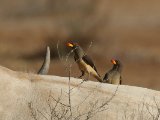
x=113 y=76
x=84 y=62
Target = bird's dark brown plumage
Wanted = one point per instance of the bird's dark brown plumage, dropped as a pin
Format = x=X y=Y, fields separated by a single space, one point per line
x=84 y=62
x=113 y=76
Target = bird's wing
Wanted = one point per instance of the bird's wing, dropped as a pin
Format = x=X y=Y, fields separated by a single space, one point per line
x=89 y=61
x=105 y=77
x=108 y=75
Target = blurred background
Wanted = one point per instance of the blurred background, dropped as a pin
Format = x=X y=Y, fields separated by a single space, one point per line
x=128 y=30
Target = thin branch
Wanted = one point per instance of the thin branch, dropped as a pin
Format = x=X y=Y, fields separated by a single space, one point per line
x=59 y=55
x=101 y=108
x=32 y=111
x=42 y=114
x=158 y=110
x=58 y=101
x=91 y=44
x=69 y=92
x=77 y=86
x=106 y=103
x=147 y=107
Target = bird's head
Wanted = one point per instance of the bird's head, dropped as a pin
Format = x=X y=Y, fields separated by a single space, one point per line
x=115 y=62
x=77 y=49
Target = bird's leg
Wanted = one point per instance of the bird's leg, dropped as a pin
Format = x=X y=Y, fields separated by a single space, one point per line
x=120 y=82
x=88 y=76
x=82 y=74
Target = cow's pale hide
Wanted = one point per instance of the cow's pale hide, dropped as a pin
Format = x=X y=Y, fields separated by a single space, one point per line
x=25 y=96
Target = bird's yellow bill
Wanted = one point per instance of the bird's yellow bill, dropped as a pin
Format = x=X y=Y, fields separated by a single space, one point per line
x=114 y=62
x=69 y=44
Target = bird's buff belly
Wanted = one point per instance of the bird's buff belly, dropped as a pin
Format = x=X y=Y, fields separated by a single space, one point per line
x=86 y=68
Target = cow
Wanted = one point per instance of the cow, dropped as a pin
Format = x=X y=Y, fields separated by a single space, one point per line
x=27 y=96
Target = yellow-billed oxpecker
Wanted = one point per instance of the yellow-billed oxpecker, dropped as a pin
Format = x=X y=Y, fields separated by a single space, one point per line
x=84 y=62
x=113 y=76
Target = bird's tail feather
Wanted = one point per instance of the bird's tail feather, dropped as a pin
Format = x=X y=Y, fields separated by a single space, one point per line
x=98 y=78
